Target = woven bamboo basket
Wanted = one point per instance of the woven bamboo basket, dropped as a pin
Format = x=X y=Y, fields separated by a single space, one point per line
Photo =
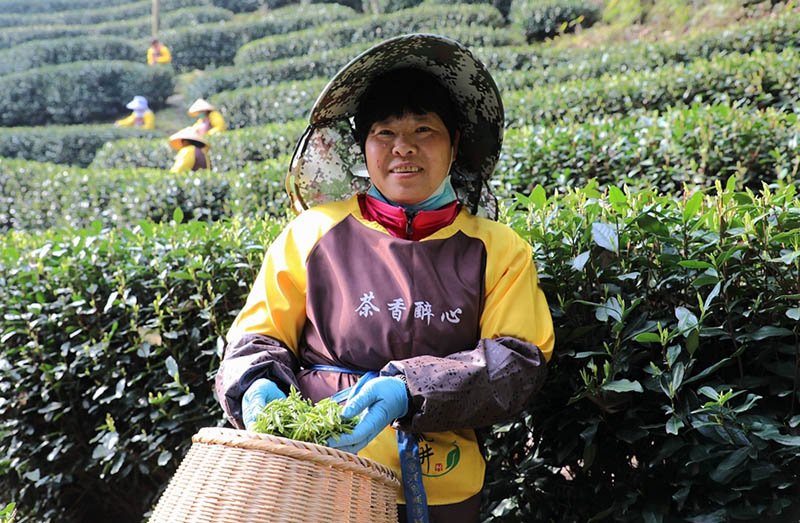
x=232 y=476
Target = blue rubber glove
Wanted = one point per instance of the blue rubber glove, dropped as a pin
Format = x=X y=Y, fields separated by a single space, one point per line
x=256 y=397
x=385 y=399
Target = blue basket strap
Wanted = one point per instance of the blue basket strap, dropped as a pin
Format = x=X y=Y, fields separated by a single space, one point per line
x=414 y=490
x=345 y=394
x=407 y=446
x=334 y=368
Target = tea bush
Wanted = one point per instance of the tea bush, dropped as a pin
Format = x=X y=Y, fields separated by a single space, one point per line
x=376 y=28
x=229 y=151
x=141 y=27
x=97 y=15
x=673 y=390
x=557 y=65
x=323 y=64
x=544 y=66
x=39 y=196
x=538 y=19
x=49 y=6
x=215 y=45
x=12 y=36
x=676 y=321
x=109 y=342
x=72 y=144
x=762 y=79
x=281 y=102
x=694 y=146
x=501 y=5
x=40 y=53
x=80 y=92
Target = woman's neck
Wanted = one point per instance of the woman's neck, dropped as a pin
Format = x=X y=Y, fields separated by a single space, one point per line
x=443 y=195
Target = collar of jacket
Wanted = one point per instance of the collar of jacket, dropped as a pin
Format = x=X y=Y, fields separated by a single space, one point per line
x=404 y=224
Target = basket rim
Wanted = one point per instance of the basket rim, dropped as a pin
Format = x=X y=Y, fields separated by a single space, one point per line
x=320 y=454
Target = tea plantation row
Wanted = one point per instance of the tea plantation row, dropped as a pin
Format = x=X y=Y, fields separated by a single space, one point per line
x=677 y=323
x=694 y=146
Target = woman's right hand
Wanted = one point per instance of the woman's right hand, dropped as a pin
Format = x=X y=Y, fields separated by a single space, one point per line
x=256 y=397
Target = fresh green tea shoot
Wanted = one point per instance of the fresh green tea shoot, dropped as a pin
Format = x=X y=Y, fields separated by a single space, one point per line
x=299 y=419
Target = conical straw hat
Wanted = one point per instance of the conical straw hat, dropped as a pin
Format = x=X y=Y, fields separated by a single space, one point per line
x=199 y=106
x=187 y=133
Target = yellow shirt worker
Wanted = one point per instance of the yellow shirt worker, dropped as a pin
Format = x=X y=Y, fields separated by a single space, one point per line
x=158 y=53
x=191 y=147
x=210 y=122
x=141 y=116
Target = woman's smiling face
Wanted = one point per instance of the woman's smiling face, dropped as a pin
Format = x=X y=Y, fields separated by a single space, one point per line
x=409 y=156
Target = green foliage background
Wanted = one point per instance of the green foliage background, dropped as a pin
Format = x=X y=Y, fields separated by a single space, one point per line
x=656 y=182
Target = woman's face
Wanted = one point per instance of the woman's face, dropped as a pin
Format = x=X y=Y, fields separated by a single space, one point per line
x=409 y=157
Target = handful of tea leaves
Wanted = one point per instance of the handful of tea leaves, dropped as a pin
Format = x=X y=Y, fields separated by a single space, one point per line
x=299 y=419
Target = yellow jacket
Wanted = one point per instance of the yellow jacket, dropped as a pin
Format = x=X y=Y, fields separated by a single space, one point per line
x=147 y=121
x=503 y=310
x=214 y=125
x=190 y=158
x=164 y=57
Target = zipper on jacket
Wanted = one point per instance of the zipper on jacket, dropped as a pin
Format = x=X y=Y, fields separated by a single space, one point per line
x=410 y=215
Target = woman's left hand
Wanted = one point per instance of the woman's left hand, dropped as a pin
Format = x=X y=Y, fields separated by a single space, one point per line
x=385 y=399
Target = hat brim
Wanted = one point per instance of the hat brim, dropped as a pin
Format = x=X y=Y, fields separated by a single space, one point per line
x=187 y=133
x=471 y=86
x=199 y=106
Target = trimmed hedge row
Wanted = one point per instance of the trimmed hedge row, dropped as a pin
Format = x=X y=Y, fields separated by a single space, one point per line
x=40 y=53
x=372 y=28
x=48 y=6
x=40 y=196
x=12 y=36
x=323 y=64
x=282 y=102
x=546 y=65
x=178 y=18
x=124 y=389
x=676 y=321
x=137 y=28
x=96 y=16
x=80 y=92
x=216 y=44
x=673 y=393
x=538 y=19
x=694 y=146
x=73 y=144
x=763 y=79
x=230 y=151
x=501 y=5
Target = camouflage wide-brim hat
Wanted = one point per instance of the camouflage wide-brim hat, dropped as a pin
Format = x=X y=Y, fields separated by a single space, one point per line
x=326 y=141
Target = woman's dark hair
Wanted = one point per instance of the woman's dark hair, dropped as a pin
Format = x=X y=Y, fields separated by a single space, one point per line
x=403 y=91
x=196 y=143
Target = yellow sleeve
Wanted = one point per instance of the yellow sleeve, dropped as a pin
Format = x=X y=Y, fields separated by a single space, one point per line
x=149 y=120
x=276 y=306
x=184 y=160
x=149 y=56
x=164 y=57
x=515 y=304
x=217 y=123
x=128 y=121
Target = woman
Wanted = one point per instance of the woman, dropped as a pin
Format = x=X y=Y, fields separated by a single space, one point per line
x=211 y=121
x=192 y=151
x=141 y=116
x=404 y=280
x=158 y=53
